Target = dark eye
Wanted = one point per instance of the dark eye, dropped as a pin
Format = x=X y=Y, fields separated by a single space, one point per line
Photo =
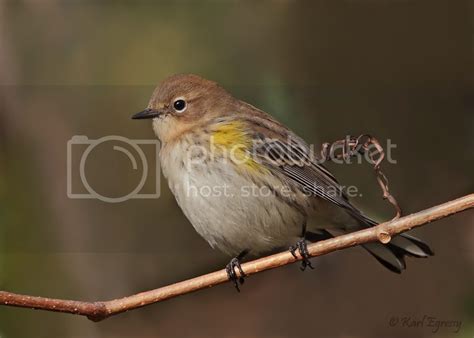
x=179 y=105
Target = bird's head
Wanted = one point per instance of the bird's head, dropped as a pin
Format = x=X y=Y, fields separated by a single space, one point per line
x=182 y=102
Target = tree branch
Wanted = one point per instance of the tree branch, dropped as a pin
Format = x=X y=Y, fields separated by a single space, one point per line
x=97 y=311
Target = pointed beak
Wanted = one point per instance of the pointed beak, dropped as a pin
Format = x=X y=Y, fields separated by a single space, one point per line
x=146 y=114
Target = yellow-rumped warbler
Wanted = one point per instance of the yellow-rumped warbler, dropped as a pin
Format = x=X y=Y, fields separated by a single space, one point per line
x=247 y=183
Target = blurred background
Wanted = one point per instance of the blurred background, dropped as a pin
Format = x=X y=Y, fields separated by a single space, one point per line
x=398 y=69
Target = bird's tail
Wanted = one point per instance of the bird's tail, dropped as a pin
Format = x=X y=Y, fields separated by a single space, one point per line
x=392 y=255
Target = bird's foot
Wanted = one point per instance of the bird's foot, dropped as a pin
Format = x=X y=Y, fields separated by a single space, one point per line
x=302 y=248
x=231 y=273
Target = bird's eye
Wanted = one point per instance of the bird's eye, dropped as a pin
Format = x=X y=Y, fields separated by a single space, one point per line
x=179 y=105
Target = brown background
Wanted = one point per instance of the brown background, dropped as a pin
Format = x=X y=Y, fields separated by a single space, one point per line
x=400 y=69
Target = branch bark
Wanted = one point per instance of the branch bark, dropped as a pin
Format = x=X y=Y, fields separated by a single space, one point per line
x=97 y=311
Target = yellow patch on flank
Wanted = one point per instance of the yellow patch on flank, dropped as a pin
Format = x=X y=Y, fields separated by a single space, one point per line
x=231 y=139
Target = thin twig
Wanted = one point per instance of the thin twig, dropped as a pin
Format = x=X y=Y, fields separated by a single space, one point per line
x=100 y=310
x=364 y=144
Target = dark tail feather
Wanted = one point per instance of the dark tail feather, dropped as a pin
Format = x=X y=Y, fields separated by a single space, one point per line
x=392 y=255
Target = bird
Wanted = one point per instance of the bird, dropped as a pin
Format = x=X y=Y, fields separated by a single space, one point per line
x=247 y=183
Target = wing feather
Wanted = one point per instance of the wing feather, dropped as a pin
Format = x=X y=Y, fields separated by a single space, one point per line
x=293 y=159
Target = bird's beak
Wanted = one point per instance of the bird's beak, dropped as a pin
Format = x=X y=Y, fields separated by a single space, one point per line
x=147 y=114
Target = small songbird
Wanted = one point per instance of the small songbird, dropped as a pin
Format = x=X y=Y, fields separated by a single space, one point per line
x=247 y=183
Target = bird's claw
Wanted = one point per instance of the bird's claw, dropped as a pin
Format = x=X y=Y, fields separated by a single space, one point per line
x=302 y=248
x=230 y=269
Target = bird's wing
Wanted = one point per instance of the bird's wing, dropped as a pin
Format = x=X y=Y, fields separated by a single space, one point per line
x=292 y=158
x=284 y=153
x=295 y=162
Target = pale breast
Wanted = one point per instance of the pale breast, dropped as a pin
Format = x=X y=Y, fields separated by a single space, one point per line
x=230 y=209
